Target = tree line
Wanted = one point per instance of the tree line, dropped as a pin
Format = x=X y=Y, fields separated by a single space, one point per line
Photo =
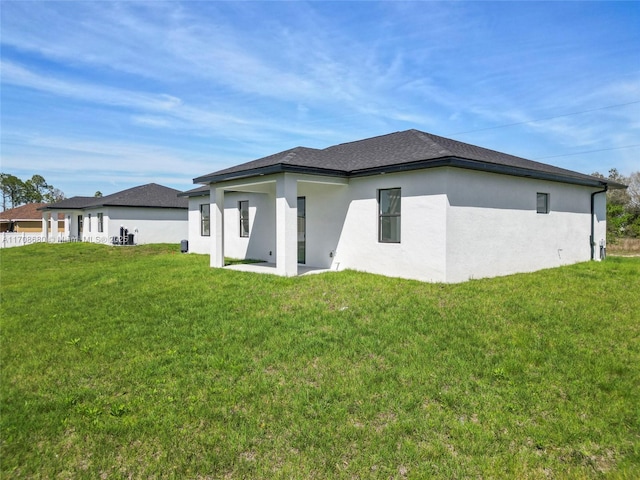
x=623 y=206
x=16 y=192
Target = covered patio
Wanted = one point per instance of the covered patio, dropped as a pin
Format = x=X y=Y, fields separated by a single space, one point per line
x=282 y=191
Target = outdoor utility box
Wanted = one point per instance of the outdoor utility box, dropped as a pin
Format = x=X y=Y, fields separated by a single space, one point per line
x=184 y=246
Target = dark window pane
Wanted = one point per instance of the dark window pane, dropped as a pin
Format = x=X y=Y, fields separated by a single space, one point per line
x=389 y=220
x=390 y=229
x=243 y=206
x=205 y=222
x=542 y=203
x=390 y=201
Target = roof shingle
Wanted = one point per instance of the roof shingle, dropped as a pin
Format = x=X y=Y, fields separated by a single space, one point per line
x=149 y=195
x=406 y=150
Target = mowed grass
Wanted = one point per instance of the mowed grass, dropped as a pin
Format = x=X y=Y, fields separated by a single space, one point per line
x=140 y=362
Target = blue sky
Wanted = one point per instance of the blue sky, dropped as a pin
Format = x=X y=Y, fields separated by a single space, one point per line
x=100 y=95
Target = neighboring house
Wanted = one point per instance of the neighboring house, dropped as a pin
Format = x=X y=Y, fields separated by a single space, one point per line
x=409 y=204
x=24 y=225
x=25 y=219
x=151 y=213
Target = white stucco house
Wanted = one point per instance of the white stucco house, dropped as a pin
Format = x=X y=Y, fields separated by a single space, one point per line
x=148 y=213
x=408 y=204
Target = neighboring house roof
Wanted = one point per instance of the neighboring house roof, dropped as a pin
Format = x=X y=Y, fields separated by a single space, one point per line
x=27 y=212
x=399 y=151
x=150 y=195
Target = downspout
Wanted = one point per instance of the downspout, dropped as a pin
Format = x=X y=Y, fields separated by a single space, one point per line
x=591 y=239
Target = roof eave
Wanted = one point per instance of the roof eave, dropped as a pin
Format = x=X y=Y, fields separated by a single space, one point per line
x=467 y=164
x=124 y=205
x=62 y=208
x=269 y=170
x=197 y=193
x=456 y=162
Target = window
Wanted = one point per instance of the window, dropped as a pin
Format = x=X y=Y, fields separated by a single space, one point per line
x=89 y=222
x=100 y=223
x=389 y=215
x=243 y=207
x=205 y=222
x=542 y=203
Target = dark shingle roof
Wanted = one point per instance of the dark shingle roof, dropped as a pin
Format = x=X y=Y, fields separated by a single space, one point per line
x=149 y=195
x=73 y=203
x=407 y=150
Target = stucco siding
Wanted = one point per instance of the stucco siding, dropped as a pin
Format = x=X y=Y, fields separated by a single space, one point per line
x=261 y=240
x=599 y=224
x=326 y=209
x=149 y=225
x=197 y=242
x=421 y=253
x=493 y=227
x=455 y=224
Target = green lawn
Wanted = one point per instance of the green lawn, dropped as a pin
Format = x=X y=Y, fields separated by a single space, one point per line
x=140 y=362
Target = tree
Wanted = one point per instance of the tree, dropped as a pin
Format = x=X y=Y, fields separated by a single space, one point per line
x=53 y=195
x=35 y=189
x=12 y=190
x=16 y=192
x=97 y=194
x=623 y=205
x=634 y=190
x=619 y=196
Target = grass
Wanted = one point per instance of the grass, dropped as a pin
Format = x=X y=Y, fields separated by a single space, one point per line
x=145 y=363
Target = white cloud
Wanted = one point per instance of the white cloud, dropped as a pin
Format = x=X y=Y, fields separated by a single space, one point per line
x=241 y=79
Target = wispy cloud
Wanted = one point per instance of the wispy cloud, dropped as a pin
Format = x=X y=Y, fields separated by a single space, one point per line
x=183 y=87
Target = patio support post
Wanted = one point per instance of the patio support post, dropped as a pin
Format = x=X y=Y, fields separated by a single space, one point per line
x=286 y=226
x=217 y=227
x=54 y=226
x=45 y=226
x=67 y=227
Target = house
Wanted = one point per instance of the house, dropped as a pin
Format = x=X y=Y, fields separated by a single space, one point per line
x=25 y=219
x=23 y=225
x=408 y=204
x=149 y=213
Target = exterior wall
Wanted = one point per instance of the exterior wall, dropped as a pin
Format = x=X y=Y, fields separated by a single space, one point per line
x=326 y=210
x=599 y=224
x=456 y=224
x=261 y=242
x=421 y=252
x=197 y=242
x=22 y=226
x=149 y=225
x=459 y=224
x=72 y=219
x=493 y=228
